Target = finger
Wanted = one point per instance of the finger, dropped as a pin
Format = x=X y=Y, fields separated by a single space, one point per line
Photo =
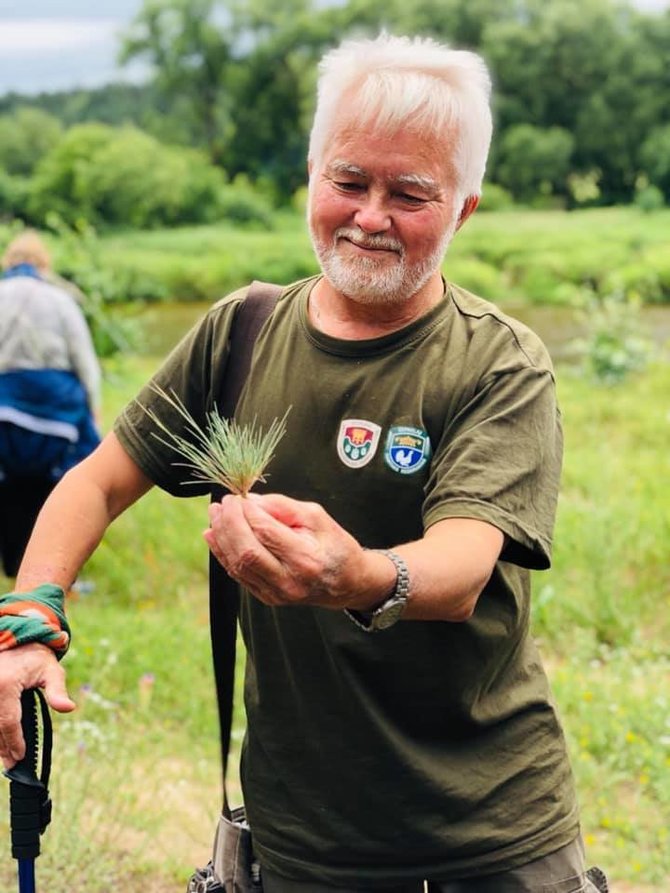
x=290 y=512
x=257 y=586
x=210 y=538
x=55 y=690
x=12 y=745
x=236 y=546
x=286 y=542
x=229 y=530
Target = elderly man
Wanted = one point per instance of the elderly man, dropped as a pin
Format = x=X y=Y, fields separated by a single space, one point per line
x=400 y=726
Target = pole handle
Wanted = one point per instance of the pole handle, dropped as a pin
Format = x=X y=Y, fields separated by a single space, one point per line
x=29 y=803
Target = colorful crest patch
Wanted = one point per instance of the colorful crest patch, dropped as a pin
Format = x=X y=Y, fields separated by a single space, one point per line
x=357 y=442
x=407 y=449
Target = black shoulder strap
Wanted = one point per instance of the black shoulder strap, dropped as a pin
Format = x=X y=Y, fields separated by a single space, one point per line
x=223 y=592
x=247 y=323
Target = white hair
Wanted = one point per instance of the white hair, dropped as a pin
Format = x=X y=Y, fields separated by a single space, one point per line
x=395 y=82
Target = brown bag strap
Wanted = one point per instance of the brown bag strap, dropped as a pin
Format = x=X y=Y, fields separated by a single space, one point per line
x=223 y=592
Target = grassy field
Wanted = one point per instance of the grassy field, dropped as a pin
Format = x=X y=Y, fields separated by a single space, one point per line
x=538 y=256
x=135 y=782
x=136 y=774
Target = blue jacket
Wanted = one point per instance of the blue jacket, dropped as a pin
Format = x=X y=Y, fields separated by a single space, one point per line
x=46 y=425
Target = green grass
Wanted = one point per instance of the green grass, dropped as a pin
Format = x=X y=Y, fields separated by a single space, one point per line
x=603 y=618
x=549 y=257
x=136 y=774
x=206 y=262
x=543 y=257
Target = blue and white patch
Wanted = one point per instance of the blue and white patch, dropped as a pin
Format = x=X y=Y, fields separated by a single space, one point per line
x=407 y=449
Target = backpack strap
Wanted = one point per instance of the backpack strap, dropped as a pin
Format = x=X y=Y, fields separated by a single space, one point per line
x=223 y=591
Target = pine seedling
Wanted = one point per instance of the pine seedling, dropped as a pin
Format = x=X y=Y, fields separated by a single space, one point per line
x=226 y=453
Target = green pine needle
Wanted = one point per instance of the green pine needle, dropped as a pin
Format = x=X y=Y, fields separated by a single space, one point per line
x=226 y=453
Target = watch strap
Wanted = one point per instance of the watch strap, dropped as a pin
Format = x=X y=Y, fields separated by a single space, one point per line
x=390 y=610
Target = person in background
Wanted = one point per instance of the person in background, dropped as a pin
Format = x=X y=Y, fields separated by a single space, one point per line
x=49 y=390
x=400 y=726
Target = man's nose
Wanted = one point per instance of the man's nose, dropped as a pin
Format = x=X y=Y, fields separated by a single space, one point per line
x=372 y=216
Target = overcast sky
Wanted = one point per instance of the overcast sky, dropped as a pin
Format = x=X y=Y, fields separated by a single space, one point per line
x=61 y=44
x=55 y=45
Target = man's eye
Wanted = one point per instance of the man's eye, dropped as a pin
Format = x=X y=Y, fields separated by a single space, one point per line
x=411 y=199
x=347 y=186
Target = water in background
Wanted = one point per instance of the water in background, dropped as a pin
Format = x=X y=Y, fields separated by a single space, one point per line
x=163 y=325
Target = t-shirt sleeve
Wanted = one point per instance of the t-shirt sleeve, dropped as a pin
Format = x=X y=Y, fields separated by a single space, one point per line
x=499 y=460
x=193 y=373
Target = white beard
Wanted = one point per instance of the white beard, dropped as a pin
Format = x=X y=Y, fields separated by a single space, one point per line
x=371 y=281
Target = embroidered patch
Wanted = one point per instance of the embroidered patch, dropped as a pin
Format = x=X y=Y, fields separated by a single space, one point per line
x=407 y=449
x=357 y=442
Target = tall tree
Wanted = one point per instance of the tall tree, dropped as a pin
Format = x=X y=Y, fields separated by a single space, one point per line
x=232 y=68
x=189 y=44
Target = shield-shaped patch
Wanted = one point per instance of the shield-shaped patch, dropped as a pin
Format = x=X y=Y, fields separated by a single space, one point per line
x=357 y=442
x=407 y=449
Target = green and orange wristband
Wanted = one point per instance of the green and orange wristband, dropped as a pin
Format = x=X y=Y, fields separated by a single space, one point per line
x=35 y=616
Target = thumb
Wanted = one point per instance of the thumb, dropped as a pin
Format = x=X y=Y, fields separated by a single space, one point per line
x=55 y=690
x=282 y=508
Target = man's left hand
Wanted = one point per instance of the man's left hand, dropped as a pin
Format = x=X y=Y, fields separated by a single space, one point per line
x=287 y=552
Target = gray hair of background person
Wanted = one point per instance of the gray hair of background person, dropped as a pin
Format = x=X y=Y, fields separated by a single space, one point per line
x=400 y=81
x=27 y=248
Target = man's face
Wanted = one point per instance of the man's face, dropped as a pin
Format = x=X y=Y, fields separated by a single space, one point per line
x=382 y=211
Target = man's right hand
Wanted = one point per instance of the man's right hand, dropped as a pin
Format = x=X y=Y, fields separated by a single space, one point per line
x=28 y=666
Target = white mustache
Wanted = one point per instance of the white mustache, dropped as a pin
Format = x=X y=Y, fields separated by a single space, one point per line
x=368 y=240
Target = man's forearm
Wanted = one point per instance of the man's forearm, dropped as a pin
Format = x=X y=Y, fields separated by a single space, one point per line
x=287 y=552
x=68 y=529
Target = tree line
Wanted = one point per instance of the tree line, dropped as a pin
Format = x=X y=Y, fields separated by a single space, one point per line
x=220 y=129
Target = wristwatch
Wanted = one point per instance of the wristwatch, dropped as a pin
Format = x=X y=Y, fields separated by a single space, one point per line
x=391 y=610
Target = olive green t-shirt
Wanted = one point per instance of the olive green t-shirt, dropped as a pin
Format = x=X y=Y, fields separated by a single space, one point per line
x=431 y=749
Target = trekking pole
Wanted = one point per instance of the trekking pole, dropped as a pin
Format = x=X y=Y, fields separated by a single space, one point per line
x=29 y=803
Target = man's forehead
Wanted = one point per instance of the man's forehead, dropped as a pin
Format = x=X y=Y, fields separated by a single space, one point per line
x=343 y=167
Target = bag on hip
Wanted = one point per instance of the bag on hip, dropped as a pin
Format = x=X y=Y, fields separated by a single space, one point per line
x=233 y=867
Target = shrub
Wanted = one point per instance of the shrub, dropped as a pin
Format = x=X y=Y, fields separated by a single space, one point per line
x=26 y=136
x=637 y=281
x=240 y=203
x=125 y=177
x=14 y=192
x=533 y=159
x=649 y=198
x=615 y=344
x=136 y=182
x=495 y=198
x=475 y=275
x=657 y=258
x=655 y=158
x=58 y=183
x=96 y=286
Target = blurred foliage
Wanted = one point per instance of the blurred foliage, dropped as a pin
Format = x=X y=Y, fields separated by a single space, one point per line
x=508 y=256
x=580 y=96
x=123 y=176
x=495 y=198
x=615 y=343
x=94 y=285
x=655 y=157
x=242 y=204
x=546 y=160
x=649 y=198
x=25 y=137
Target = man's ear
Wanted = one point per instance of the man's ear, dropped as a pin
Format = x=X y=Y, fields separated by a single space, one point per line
x=469 y=207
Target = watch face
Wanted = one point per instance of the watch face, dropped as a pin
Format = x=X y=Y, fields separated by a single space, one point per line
x=388 y=615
